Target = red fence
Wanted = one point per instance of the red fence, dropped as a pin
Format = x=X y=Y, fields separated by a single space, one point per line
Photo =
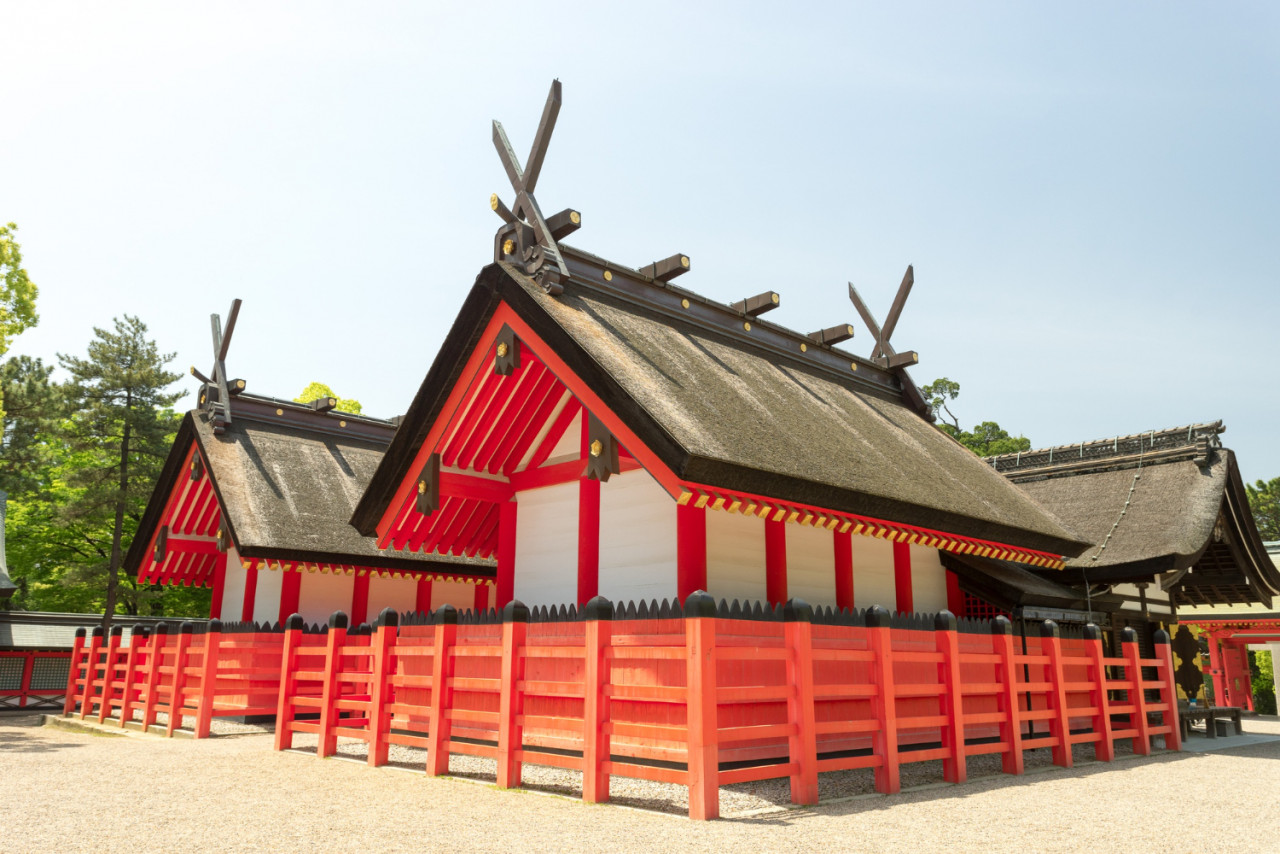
x=33 y=680
x=705 y=697
x=226 y=670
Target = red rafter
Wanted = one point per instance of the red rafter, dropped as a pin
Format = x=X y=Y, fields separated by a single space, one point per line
x=535 y=424
x=492 y=424
x=454 y=441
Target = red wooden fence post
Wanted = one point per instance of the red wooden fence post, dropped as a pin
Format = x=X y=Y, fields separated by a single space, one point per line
x=955 y=768
x=329 y=691
x=24 y=685
x=885 y=740
x=1137 y=697
x=288 y=681
x=110 y=684
x=1104 y=748
x=91 y=672
x=384 y=644
x=1011 y=735
x=208 y=678
x=704 y=741
x=446 y=619
x=802 y=744
x=132 y=693
x=595 y=710
x=151 y=688
x=179 y=686
x=515 y=619
x=77 y=654
x=1169 y=693
x=1060 y=724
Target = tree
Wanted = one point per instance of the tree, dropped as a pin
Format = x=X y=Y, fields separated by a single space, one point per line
x=987 y=439
x=315 y=391
x=1264 y=501
x=119 y=431
x=17 y=293
x=32 y=404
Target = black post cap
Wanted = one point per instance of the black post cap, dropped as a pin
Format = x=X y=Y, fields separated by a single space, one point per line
x=186 y=628
x=389 y=618
x=295 y=623
x=215 y=625
x=141 y=632
x=162 y=628
x=337 y=620
x=446 y=615
x=515 y=612
x=797 y=611
x=877 y=617
x=117 y=631
x=96 y=632
x=1160 y=636
x=1128 y=635
x=1049 y=629
x=1001 y=626
x=699 y=604
x=81 y=633
x=599 y=608
x=1092 y=632
x=945 y=621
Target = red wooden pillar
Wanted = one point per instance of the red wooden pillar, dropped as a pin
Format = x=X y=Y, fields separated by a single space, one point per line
x=515 y=619
x=902 y=577
x=331 y=687
x=843 y=546
x=422 y=598
x=703 y=721
x=1012 y=761
x=208 y=678
x=802 y=744
x=28 y=667
x=219 y=587
x=506 y=588
x=360 y=599
x=288 y=682
x=691 y=549
x=1137 y=697
x=91 y=672
x=442 y=663
x=595 y=715
x=137 y=650
x=110 y=683
x=380 y=693
x=1169 y=692
x=481 y=600
x=955 y=596
x=73 y=673
x=885 y=704
x=588 y=531
x=151 y=688
x=1104 y=749
x=955 y=768
x=290 y=590
x=775 y=561
x=250 y=593
x=1060 y=723
x=178 y=689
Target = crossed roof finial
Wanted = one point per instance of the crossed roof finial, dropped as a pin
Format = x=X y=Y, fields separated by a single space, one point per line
x=215 y=395
x=527 y=238
x=883 y=353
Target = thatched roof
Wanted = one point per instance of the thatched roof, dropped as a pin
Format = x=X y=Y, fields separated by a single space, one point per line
x=736 y=408
x=1156 y=502
x=287 y=479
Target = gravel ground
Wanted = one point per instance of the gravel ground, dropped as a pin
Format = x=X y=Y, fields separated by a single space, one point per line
x=73 y=791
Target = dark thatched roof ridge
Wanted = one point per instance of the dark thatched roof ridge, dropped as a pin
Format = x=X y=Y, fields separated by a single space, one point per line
x=720 y=409
x=288 y=484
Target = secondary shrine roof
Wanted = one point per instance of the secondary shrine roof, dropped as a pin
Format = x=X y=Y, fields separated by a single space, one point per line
x=1155 y=502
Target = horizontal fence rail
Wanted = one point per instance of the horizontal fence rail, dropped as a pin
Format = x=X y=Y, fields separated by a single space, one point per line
x=33 y=680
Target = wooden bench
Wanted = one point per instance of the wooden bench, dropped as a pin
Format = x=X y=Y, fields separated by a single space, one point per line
x=1210 y=715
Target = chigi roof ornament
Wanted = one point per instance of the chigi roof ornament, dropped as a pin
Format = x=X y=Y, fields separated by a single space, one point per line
x=216 y=393
x=883 y=353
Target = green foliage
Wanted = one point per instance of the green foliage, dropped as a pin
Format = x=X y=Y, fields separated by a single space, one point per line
x=32 y=409
x=1263 y=673
x=17 y=293
x=1264 y=501
x=315 y=391
x=987 y=439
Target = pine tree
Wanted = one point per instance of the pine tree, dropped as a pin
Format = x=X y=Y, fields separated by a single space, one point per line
x=121 y=421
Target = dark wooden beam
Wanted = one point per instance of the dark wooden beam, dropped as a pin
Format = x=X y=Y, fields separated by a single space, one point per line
x=323 y=404
x=902 y=360
x=501 y=209
x=428 y=498
x=564 y=223
x=833 y=334
x=506 y=352
x=668 y=268
x=900 y=300
x=758 y=304
x=542 y=139
x=602 y=451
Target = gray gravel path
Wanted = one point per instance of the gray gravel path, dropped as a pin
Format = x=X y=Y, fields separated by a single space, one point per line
x=71 y=791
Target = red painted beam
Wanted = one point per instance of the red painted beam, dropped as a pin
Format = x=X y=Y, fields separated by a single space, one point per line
x=843 y=547
x=475 y=408
x=902 y=577
x=178 y=545
x=531 y=430
x=471 y=486
x=219 y=587
x=479 y=515
x=511 y=420
x=691 y=549
x=555 y=434
x=491 y=419
x=520 y=421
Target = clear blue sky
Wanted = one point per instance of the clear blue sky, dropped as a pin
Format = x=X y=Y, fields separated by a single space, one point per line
x=1088 y=192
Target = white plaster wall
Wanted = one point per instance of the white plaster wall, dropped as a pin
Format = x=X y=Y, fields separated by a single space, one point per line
x=546 y=571
x=1157 y=599
x=569 y=447
x=266 y=596
x=388 y=592
x=456 y=593
x=928 y=580
x=735 y=556
x=873 y=573
x=637 y=539
x=322 y=593
x=233 y=587
x=811 y=565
